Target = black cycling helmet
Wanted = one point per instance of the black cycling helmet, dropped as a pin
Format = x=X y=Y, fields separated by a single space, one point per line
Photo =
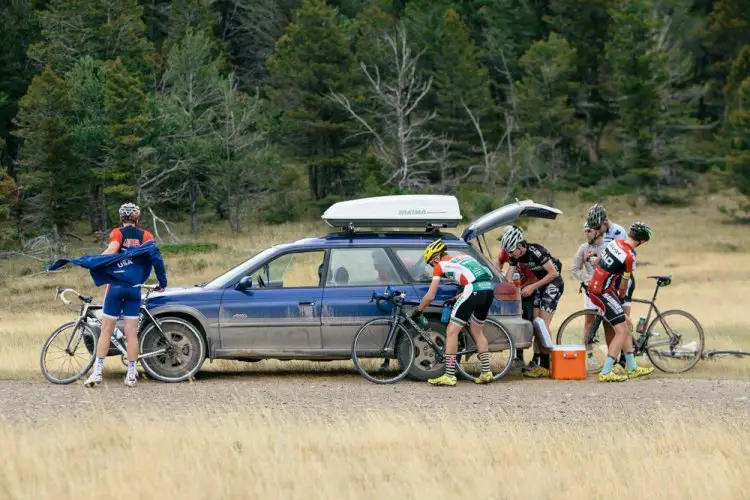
x=596 y=216
x=640 y=231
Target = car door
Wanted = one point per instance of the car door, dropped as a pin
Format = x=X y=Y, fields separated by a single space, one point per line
x=353 y=275
x=280 y=311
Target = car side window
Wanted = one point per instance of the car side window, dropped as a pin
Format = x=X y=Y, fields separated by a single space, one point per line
x=291 y=270
x=361 y=267
x=413 y=261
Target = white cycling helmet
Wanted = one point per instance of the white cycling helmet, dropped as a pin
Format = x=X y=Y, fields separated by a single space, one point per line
x=596 y=216
x=129 y=211
x=511 y=238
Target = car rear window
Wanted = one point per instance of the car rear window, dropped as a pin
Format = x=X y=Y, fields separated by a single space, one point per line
x=412 y=259
x=361 y=267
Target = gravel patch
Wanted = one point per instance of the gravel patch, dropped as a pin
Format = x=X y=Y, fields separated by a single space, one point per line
x=335 y=396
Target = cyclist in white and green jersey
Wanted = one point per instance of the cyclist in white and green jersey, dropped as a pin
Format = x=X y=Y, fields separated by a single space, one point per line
x=472 y=306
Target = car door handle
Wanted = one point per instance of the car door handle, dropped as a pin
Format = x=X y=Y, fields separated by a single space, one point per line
x=307 y=303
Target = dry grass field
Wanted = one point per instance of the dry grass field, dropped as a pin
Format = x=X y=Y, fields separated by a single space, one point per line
x=253 y=453
x=378 y=456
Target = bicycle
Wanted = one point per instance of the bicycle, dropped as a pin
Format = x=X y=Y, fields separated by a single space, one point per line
x=170 y=349
x=383 y=350
x=670 y=348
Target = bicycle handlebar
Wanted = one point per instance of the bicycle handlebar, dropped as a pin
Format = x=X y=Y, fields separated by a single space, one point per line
x=60 y=292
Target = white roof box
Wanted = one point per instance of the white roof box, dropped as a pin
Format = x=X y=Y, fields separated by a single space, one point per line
x=395 y=211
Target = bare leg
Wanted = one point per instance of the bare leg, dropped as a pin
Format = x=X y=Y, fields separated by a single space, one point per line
x=102 y=346
x=131 y=324
x=477 y=331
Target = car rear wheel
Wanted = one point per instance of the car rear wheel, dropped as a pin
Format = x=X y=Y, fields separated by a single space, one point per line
x=425 y=365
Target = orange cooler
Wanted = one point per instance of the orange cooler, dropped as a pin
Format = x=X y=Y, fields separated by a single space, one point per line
x=568 y=362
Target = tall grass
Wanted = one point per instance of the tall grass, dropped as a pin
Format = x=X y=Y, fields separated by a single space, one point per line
x=375 y=456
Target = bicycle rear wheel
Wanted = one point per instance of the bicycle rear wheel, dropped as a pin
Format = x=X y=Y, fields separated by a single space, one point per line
x=573 y=331
x=675 y=341
x=62 y=366
x=470 y=367
x=377 y=362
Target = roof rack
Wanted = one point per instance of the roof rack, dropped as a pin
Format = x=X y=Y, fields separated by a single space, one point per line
x=431 y=212
x=389 y=232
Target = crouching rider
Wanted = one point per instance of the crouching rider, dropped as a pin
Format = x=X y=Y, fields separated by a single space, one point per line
x=472 y=305
x=125 y=263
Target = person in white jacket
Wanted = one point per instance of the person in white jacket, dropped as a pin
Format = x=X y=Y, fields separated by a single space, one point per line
x=582 y=269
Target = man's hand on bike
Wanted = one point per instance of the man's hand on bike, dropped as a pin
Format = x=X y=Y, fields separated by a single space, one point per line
x=628 y=323
x=414 y=312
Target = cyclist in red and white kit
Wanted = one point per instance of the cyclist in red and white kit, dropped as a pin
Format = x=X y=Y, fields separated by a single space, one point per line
x=607 y=288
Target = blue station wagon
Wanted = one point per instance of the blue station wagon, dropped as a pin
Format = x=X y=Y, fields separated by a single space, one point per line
x=306 y=299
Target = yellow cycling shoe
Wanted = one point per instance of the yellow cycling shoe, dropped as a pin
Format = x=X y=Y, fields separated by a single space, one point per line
x=484 y=378
x=449 y=380
x=537 y=372
x=620 y=370
x=612 y=377
x=641 y=371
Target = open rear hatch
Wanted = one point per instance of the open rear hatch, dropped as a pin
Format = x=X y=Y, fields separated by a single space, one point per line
x=503 y=216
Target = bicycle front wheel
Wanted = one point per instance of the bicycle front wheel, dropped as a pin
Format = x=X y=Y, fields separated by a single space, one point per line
x=469 y=366
x=174 y=356
x=576 y=329
x=378 y=362
x=68 y=353
x=675 y=341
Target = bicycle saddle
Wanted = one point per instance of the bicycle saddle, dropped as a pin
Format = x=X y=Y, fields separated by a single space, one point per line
x=662 y=279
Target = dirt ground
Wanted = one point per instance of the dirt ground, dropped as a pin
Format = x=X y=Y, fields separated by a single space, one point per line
x=331 y=396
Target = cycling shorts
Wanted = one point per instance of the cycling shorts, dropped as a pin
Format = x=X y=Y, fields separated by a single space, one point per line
x=527 y=308
x=609 y=304
x=474 y=303
x=628 y=298
x=122 y=301
x=547 y=297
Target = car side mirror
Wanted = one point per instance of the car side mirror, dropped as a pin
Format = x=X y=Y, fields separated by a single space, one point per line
x=244 y=283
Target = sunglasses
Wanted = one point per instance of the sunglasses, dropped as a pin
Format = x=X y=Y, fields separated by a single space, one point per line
x=588 y=230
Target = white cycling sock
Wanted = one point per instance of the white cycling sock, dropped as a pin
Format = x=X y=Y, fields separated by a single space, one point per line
x=131 y=369
x=98 y=366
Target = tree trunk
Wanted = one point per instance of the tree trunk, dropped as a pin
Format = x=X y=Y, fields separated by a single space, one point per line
x=193 y=210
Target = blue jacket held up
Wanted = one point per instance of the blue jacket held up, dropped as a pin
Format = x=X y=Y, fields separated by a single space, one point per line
x=131 y=267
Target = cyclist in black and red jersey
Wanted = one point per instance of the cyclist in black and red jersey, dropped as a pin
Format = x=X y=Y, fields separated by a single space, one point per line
x=546 y=290
x=607 y=288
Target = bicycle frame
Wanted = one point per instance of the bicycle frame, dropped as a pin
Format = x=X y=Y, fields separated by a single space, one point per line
x=639 y=344
x=86 y=307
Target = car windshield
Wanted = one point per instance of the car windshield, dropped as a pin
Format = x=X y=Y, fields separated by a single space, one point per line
x=239 y=270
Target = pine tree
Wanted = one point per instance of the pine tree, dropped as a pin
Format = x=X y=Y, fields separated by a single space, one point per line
x=187 y=108
x=88 y=134
x=585 y=25
x=736 y=134
x=546 y=119
x=53 y=191
x=101 y=29
x=18 y=28
x=651 y=75
x=460 y=82
x=727 y=30
x=127 y=126
x=312 y=60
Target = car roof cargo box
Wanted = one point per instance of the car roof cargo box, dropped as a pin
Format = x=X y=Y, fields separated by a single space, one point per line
x=418 y=210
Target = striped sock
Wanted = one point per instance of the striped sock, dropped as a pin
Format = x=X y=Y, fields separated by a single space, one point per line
x=484 y=357
x=450 y=365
